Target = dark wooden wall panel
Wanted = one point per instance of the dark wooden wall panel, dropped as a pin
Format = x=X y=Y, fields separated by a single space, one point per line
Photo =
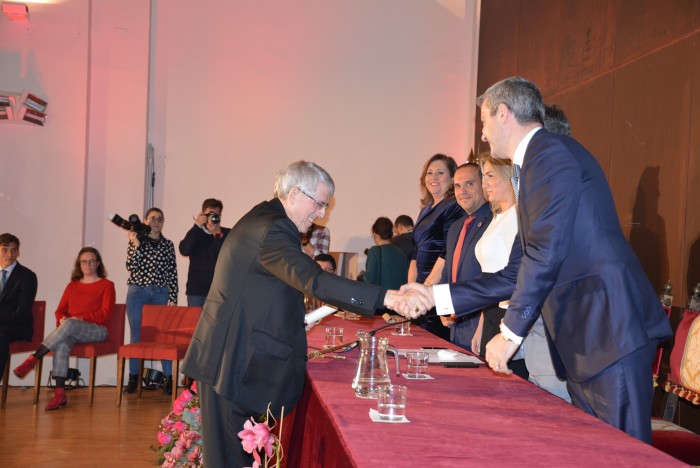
x=649 y=144
x=538 y=39
x=586 y=46
x=644 y=25
x=589 y=110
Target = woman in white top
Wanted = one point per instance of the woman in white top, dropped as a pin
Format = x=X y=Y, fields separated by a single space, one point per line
x=493 y=249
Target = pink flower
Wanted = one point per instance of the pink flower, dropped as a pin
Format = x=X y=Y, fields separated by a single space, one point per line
x=164 y=438
x=255 y=437
x=248 y=437
x=179 y=407
x=194 y=454
x=180 y=426
x=186 y=396
x=193 y=387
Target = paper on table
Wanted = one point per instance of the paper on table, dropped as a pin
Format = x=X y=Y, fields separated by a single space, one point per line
x=436 y=356
x=374 y=416
x=318 y=314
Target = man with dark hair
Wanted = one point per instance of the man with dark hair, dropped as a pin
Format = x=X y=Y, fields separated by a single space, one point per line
x=403 y=235
x=460 y=260
x=17 y=293
x=202 y=244
x=555 y=120
x=327 y=262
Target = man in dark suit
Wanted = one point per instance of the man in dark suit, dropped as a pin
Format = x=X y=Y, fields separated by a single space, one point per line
x=600 y=312
x=403 y=238
x=249 y=347
x=17 y=292
x=460 y=263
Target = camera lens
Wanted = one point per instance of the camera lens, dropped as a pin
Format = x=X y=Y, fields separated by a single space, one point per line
x=215 y=218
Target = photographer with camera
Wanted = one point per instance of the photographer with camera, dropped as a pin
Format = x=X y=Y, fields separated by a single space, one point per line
x=202 y=245
x=152 y=280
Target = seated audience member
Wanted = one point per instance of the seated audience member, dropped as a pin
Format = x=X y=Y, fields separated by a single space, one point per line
x=327 y=262
x=403 y=235
x=17 y=292
x=202 y=244
x=82 y=316
x=317 y=240
x=386 y=266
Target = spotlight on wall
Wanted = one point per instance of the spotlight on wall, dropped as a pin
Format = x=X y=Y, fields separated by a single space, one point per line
x=16 y=11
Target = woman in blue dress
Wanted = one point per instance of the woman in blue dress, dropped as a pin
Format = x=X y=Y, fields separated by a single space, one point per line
x=439 y=210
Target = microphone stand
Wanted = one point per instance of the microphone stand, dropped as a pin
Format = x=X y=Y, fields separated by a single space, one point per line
x=350 y=345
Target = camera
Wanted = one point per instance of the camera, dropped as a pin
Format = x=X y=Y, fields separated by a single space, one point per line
x=214 y=218
x=133 y=224
x=141 y=230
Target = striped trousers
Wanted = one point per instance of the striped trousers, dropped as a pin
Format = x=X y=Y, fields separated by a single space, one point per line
x=61 y=341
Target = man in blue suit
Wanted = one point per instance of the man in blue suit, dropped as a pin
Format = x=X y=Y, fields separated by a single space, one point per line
x=463 y=266
x=601 y=313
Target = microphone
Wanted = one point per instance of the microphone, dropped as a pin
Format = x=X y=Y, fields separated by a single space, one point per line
x=356 y=343
x=119 y=221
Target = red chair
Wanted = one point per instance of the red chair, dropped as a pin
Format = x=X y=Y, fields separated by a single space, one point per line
x=166 y=332
x=93 y=350
x=39 y=311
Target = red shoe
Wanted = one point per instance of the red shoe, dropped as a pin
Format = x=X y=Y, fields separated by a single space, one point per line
x=23 y=369
x=59 y=399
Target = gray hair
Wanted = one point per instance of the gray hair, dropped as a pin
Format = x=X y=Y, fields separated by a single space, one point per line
x=303 y=174
x=519 y=95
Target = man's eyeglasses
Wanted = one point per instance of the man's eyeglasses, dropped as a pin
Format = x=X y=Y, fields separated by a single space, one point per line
x=153 y=219
x=88 y=262
x=321 y=205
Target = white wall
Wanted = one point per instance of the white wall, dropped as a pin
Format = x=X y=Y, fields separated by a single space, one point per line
x=237 y=90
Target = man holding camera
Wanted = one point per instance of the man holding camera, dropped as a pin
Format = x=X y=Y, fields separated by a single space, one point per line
x=202 y=244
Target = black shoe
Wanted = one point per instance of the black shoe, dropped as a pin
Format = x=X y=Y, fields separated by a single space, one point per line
x=132 y=385
x=168 y=386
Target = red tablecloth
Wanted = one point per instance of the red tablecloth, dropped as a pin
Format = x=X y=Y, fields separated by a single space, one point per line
x=464 y=417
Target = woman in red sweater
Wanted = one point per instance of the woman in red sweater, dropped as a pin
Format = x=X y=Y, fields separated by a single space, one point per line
x=81 y=317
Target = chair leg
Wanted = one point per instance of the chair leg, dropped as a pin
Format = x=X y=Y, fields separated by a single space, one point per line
x=120 y=379
x=140 y=381
x=93 y=367
x=176 y=373
x=5 y=377
x=37 y=379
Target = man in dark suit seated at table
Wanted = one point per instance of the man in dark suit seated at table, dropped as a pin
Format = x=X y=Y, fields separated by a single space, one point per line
x=600 y=312
x=17 y=293
x=249 y=347
x=460 y=261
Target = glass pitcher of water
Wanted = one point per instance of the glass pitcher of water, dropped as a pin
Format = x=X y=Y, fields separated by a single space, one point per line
x=372 y=368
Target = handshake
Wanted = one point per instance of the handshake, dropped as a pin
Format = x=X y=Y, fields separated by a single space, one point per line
x=411 y=301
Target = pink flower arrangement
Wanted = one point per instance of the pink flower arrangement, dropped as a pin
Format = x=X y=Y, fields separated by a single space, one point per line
x=256 y=436
x=179 y=433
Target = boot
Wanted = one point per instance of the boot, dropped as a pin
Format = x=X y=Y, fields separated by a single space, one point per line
x=132 y=385
x=59 y=399
x=23 y=369
x=168 y=385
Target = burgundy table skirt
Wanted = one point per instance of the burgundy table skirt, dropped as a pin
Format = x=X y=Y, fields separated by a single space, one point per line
x=464 y=417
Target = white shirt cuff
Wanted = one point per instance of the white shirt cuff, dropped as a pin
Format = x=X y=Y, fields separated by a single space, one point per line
x=443 y=299
x=505 y=331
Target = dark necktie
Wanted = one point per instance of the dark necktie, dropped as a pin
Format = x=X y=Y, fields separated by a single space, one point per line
x=3 y=280
x=515 y=180
x=458 y=249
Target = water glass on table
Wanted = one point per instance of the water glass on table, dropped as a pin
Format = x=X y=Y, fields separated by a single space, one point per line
x=334 y=336
x=391 y=402
x=417 y=364
x=403 y=328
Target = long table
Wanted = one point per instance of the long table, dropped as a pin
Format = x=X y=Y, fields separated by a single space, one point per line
x=464 y=417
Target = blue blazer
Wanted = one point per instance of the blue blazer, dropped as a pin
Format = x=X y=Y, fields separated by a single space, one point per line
x=577 y=268
x=463 y=331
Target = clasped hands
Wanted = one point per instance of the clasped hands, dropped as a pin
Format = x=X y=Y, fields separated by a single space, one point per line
x=411 y=301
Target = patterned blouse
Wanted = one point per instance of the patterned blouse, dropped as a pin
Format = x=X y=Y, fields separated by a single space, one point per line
x=153 y=264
